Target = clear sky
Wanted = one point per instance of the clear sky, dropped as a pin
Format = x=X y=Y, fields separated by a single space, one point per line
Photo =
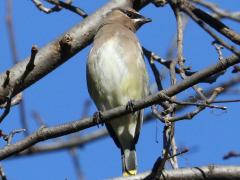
x=59 y=97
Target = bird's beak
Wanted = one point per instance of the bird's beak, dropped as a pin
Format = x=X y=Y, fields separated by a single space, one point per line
x=139 y=22
x=146 y=20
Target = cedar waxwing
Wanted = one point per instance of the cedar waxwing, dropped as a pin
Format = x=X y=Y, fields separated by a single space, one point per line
x=116 y=74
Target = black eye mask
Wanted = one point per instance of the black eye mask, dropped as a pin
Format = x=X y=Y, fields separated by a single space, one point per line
x=132 y=15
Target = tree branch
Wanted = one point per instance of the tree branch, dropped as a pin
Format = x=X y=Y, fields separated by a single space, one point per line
x=211 y=21
x=218 y=12
x=205 y=172
x=61 y=130
x=99 y=134
x=62 y=49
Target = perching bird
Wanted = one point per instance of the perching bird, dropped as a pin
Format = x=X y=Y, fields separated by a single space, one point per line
x=116 y=74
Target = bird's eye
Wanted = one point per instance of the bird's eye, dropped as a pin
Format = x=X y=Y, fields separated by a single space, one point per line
x=129 y=14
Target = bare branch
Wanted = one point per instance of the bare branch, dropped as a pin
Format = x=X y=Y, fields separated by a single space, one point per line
x=31 y=70
x=218 y=12
x=227 y=101
x=19 y=97
x=211 y=21
x=58 y=6
x=15 y=101
x=2 y=173
x=42 y=8
x=168 y=134
x=188 y=8
x=219 y=50
x=190 y=115
x=205 y=172
x=74 y=142
x=12 y=91
x=69 y=7
x=150 y=57
x=231 y=154
x=62 y=49
x=157 y=172
x=76 y=163
x=99 y=134
x=8 y=137
x=48 y=133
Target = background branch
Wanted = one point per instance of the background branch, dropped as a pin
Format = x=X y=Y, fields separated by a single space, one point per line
x=205 y=172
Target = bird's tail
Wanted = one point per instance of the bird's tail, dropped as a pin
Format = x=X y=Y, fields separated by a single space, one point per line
x=129 y=162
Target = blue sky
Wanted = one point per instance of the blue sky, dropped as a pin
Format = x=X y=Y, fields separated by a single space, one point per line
x=59 y=97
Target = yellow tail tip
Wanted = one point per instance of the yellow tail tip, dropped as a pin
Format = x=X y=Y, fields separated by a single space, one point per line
x=130 y=173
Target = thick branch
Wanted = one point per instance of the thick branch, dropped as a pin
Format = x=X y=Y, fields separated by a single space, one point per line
x=60 y=50
x=205 y=172
x=99 y=134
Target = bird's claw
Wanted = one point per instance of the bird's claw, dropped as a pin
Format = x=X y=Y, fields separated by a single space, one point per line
x=130 y=106
x=97 y=118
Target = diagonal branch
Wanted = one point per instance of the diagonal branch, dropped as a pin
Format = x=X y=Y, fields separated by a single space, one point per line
x=211 y=21
x=58 y=7
x=68 y=6
x=53 y=132
x=60 y=50
x=99 y=134
x=218 y=12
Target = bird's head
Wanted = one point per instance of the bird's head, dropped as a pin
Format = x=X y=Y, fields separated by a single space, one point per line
x=128 y=17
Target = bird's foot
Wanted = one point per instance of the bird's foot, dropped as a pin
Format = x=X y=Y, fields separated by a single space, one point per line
x=130 y=106
x=97 y=118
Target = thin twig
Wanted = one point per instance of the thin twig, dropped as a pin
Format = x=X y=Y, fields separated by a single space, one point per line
x=58 y=6
x=181 y=60
x=69 y=7
x=12 y=90
x=150 y=58
x=219 y=50
x=220 y=27
x=173 y=46
x=190 y=115
x=18 y=98
x=188 y=9
x=76 y=163
x=218 y=12
x=173 y=146
x=199 y=104
x=227 y=101
x=7 y=106
x=15 y=101
x=9 y=137
x=167 y=138
x=2 y=173
x=231 y=154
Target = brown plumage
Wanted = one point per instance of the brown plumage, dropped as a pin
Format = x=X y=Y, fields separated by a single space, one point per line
x=116 y=74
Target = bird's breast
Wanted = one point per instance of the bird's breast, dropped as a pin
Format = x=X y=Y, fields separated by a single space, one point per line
x=116 y=71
